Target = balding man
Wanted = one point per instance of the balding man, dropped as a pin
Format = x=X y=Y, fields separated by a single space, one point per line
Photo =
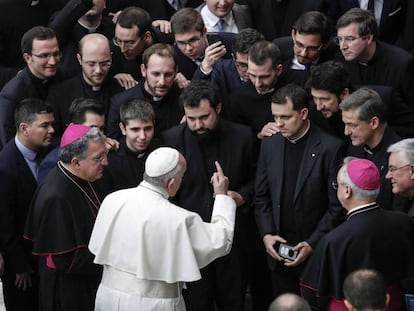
x=289 y=302
x=95 y=59
x=149 y=247
x=367 y=239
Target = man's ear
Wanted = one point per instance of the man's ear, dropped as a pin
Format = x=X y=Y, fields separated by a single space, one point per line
x=348 y=305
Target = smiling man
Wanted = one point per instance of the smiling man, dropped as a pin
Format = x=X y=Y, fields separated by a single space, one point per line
x=365 y=118
x=400 y=170
x=159 y=70
x=126 y=166
x=41 y=52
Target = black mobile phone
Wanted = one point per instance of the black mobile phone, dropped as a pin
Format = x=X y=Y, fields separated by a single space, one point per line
x=213 y=39
x=286 y=251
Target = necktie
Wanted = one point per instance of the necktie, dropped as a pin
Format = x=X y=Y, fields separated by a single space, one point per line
x=220 y=25
x=38 y=159
x=371 y=6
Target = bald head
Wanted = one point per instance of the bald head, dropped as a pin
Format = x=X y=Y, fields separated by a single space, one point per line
x=94 y=41
x=289 y=302
x=95 y=58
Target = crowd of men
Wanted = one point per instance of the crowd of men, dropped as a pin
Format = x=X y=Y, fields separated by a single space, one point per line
x=185 y=155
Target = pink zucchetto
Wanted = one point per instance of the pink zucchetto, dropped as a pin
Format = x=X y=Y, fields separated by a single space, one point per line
x=72 y=133
x=364 y=174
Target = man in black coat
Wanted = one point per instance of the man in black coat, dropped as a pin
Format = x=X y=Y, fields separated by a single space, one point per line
x=159 y=69
x=204 y=139
x=94 y=59
x=19 y=163
x=41 y=52
x=294 y=202
x=372 y=62
x=364 y=116
x=77 y=19
x=364 y=241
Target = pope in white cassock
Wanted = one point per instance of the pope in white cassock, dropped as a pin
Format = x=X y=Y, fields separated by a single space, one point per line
x=149 y=247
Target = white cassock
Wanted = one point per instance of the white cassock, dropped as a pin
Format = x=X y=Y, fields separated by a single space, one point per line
x=149 y=247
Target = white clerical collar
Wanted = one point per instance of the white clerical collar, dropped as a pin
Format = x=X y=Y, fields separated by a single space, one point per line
x=295 y=140
x=298 y=66
x=153 y=188
x=361 y=209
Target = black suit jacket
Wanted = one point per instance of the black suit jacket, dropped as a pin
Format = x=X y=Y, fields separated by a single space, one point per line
x=17 y=186
x=233 y=150
x=62 y=95
x=264 y=20
x=316 y=207
x=22 y=86
x=394 y=16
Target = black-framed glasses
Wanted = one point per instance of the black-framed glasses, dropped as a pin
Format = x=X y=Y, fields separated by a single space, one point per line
x=312 y=49
x=47 y=56
x=392 y=169
x=348 y=40
x=193 y=42
x=128 y=44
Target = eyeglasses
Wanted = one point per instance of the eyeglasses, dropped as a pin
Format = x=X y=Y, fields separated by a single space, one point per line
x=91 y=64
x=47 y=56
x=348 y=40
x=312 y=49
x=193 y=42
x=101 y=157
x=128 y=44
x=241 y=65
x=392 y=169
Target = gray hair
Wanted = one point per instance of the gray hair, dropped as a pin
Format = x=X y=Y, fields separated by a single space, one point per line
x=79 y=148
x=360 y=194
x=406 y=149
x=161 y=181
x=368 y=103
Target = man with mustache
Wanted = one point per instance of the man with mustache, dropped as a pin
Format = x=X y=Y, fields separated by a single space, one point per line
x=19 y=163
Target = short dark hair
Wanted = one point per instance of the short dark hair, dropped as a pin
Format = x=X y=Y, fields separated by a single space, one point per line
x=80 y=106
x=313 y=22
x=38 y=33
x=160 y=49
x=136 y=108
x=245 y=39
x=263 y=50
x=187 y=20
x=199 y=90
x=28 y=108
x=365 y=20
x=368 y=103
x=135 y=16
x=297 y=95
x=365 y=289
x=329 y=76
